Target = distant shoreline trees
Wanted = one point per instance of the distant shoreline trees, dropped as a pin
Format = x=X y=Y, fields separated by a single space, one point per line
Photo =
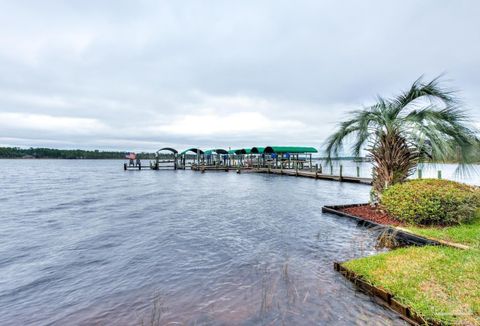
x=51 y=153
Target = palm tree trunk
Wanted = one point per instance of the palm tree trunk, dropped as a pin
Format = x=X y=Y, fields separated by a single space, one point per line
x=393 y=162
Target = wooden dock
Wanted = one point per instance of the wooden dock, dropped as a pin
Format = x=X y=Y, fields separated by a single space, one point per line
x=315 y=175
x=127 y=167
x=306 y=173
x=290 y=172
x=204 y=168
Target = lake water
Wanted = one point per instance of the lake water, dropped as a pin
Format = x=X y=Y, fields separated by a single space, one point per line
x=84 y=242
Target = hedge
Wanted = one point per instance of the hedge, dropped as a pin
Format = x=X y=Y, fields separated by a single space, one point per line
x=431 y=202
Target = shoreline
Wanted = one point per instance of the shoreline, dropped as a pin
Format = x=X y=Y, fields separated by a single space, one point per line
x=384 y=277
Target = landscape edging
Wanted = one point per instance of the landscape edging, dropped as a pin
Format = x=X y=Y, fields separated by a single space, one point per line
x=408 y=237
x=386 y=299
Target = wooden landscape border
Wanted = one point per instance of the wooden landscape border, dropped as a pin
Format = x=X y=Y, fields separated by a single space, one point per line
x=383 y=297
x=404 y=236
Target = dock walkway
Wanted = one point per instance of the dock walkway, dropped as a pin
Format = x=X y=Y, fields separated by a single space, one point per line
x=306 y=173
x=290 y=172
x=314 y=175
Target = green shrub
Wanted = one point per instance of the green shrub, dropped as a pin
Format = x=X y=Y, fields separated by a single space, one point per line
x=431 y=202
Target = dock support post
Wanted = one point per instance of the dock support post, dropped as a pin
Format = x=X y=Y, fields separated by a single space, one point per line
x=341 y=172
x=331 y=169
x=358 y=172
x=419 y=173
x=439 y=174
x=320 y=170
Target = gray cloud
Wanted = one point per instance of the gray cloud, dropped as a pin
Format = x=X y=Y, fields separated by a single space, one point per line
x=139 y=75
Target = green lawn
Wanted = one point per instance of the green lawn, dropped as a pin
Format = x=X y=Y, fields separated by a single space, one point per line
x=468 y=234
x=440 y=283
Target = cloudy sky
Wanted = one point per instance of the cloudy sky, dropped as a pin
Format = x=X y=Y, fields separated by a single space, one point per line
x=139 y=75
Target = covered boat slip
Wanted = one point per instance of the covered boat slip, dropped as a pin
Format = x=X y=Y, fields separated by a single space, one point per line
x=288 y=157
x=165 y=158
x=284 y=160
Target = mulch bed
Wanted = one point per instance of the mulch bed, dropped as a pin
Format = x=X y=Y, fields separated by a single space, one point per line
x=374 y=214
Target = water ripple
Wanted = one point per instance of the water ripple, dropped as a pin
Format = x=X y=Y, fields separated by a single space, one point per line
x=83 y=242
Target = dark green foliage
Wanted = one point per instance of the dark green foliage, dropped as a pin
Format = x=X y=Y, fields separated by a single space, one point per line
x=15 y=152
x=432 y=202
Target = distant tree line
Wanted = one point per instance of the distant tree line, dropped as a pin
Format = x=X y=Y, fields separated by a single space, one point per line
x=16 y=152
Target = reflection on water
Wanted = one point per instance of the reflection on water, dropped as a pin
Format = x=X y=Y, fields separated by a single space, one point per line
x=83 y=242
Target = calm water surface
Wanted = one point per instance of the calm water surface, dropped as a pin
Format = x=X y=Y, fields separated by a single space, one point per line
x=83 y=242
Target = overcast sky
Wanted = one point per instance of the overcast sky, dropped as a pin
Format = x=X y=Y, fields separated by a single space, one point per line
x=140 y=75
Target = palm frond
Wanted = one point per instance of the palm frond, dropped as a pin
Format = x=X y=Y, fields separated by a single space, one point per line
x=445 y=131
x=432 y=91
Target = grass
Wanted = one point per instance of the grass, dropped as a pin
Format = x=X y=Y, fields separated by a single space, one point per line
x=468 y=234
x=440 y=283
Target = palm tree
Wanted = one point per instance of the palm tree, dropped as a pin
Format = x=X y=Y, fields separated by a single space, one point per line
x=422 y=123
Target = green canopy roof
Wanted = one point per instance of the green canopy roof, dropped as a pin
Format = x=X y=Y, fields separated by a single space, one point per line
x=216 y=151
x=257 y=150
x=237 y=151
x=289 y=149
x=254 y=150
x=195 y=150
x=240 y=151
x=173 y=150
